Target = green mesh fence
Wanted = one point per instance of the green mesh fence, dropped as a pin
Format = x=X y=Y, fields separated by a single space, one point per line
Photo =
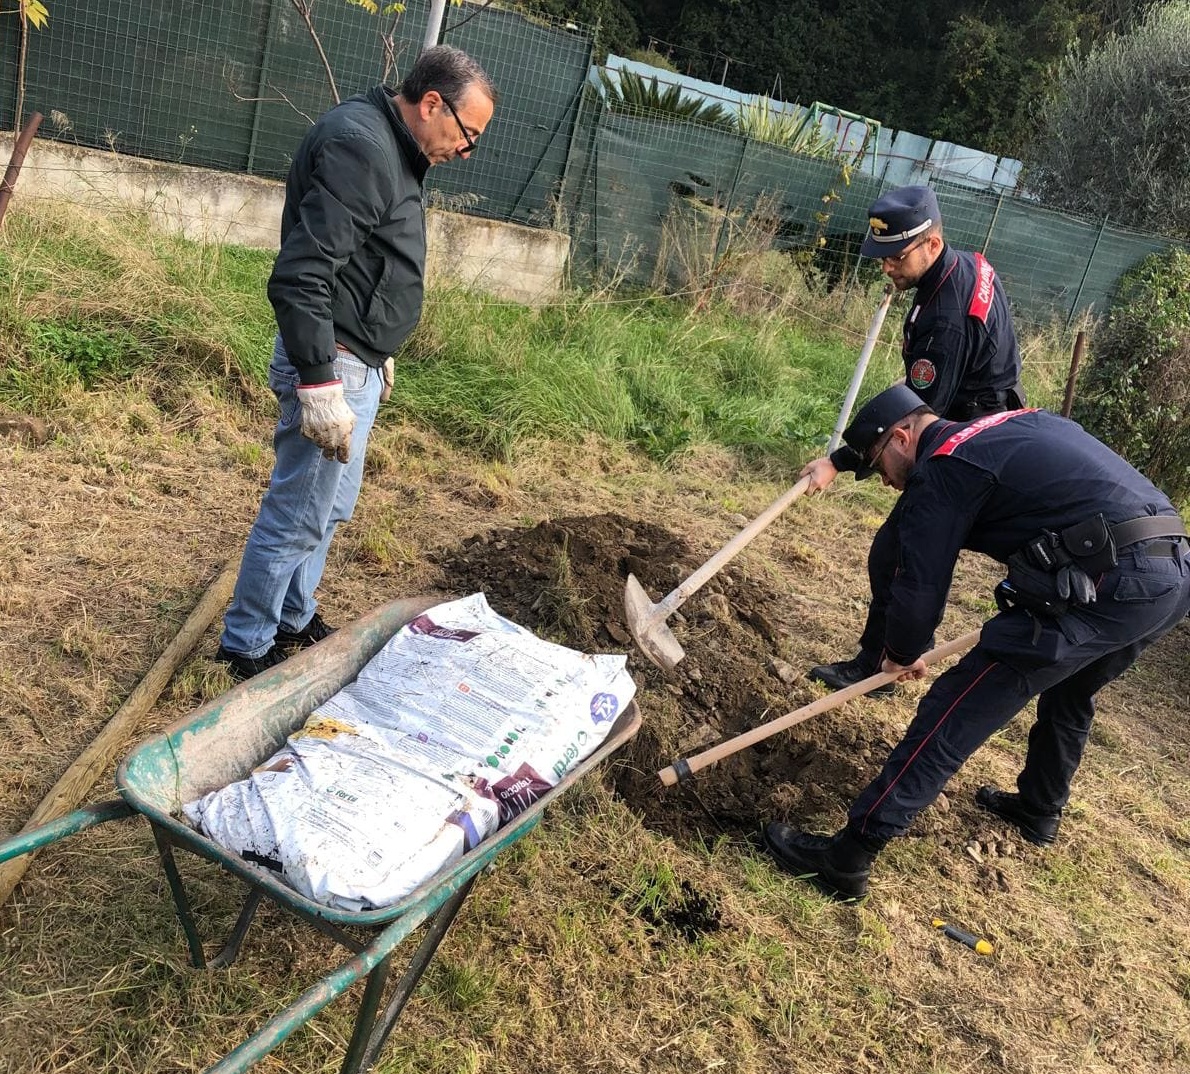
x=654 y=200
x=662 y=201
x=234 y=86
x=649 y=200
x=540 y=70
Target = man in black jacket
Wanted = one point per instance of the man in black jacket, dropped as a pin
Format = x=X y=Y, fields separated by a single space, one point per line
x=1098 y=569
x=961 y=358
x=346 y=289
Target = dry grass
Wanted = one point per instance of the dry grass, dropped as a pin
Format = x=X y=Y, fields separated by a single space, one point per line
x=553 y=965
x=563 y=958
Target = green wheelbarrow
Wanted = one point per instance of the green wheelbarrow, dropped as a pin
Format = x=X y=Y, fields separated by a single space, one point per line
x=222 y=742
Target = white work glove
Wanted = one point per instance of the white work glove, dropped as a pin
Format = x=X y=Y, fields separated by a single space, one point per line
x=326 y=418
x=387 y=372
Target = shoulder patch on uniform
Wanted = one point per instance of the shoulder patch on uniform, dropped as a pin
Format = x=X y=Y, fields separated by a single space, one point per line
x=981 y=298
x=988 y=421
x=922 y=373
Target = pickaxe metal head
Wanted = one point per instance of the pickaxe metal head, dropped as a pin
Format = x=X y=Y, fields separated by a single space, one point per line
x=646 y=621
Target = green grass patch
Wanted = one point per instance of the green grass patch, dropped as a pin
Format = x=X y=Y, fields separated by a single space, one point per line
x=649 y=372
x=90 y=299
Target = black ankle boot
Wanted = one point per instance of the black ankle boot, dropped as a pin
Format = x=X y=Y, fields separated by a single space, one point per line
x=1039 y=828
x=844 y=673
x=837 y=865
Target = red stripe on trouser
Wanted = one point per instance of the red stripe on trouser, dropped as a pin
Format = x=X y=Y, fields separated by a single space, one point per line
x=924 y=742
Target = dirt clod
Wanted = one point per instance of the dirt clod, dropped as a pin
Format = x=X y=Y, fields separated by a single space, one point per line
x=22 y=427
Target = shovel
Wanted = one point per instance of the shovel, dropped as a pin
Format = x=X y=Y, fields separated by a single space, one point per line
x=682 y=770
x=646 y=620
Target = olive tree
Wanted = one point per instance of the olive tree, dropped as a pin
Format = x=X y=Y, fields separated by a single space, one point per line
x=1114 y=135
x=1135 y=393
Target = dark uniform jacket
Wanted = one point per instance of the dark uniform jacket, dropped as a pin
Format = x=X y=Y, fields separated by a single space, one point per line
x=991 y=486
x=959 y=347
x=353 y=238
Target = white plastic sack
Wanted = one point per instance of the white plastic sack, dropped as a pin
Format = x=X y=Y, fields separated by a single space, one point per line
x=349 y=818
x=517 y=712
x=459 y=723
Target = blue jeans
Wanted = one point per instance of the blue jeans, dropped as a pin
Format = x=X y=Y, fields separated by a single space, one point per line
x=308 y=496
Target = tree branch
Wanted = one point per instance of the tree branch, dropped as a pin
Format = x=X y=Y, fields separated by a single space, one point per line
x=305 y=9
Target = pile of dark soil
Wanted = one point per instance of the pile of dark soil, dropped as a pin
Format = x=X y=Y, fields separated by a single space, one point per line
x=565 y=580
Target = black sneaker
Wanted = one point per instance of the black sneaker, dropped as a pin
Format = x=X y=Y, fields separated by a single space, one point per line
x=837 y=865
x=245 y=667
x=1041 y=829
x=846 y=673
x=313 y=631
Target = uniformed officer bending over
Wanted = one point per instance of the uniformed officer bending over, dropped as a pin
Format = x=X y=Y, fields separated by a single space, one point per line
x=960 y=355
x=1098 y=569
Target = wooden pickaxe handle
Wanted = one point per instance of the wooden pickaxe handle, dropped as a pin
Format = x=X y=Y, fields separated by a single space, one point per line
x=682 y=769
x=668 y=604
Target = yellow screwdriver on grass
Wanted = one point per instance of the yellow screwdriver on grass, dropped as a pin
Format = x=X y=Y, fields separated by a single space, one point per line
x=977 y=944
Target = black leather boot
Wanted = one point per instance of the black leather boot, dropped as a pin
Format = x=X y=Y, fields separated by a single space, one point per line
x=1039 y=828
x=837 y=865
x=845 y=673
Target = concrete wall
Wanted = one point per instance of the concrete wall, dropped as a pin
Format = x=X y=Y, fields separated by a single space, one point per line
x=507 y=260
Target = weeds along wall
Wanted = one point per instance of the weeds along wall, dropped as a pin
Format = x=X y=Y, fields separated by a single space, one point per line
x=652 y=200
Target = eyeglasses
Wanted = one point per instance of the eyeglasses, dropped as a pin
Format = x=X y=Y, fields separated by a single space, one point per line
x=896 y=259
x=462 y=130
x=876 y=458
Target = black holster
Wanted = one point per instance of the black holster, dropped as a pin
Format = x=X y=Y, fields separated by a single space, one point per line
x=1039 y=574
x=1030 y=587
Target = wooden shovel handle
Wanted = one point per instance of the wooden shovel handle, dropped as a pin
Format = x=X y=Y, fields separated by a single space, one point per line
x=689 y=765
x=672 y=601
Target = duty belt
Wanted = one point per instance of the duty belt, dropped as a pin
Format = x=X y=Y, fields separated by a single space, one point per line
x=1147 y=527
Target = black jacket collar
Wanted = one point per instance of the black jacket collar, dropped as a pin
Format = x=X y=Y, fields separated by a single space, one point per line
x=934 y=274
x=932 y=436
x=385 y=99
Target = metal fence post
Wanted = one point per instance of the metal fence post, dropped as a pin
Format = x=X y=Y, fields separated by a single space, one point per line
x=735 y=181
x=433 y=24
x=992 y=223
x=1086 y=272
x=265 y=56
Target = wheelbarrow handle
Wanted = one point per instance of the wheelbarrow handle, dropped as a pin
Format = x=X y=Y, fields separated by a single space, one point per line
x=30 y=839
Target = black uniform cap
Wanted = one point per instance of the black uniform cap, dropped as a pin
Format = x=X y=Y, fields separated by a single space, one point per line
x=875 y=418
x=897 y=218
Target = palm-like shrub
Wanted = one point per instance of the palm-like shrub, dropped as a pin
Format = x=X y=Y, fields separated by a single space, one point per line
x=632 y=94
x=762 y=120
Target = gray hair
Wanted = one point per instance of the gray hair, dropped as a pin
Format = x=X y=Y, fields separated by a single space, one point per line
x=448 y=70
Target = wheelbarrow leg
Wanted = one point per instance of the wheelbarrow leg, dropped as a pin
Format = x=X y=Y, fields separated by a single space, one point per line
x=231 y=949
x=370 y=1033
x=181 y=900
x=365 y=1019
